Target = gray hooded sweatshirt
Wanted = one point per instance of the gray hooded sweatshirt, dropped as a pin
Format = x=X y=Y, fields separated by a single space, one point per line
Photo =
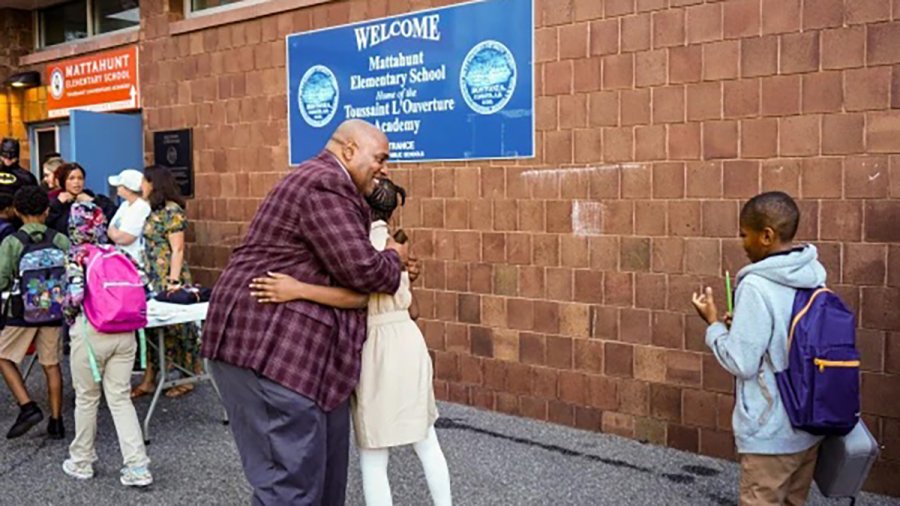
x=762 y=314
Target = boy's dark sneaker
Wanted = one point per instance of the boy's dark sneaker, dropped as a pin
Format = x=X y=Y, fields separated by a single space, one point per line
x=29 y=416
x=55 y=428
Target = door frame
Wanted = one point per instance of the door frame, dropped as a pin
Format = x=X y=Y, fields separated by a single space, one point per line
x=33 y=130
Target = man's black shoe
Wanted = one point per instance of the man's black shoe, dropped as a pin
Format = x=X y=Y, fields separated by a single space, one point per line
x=29 y=416
x=55 y=428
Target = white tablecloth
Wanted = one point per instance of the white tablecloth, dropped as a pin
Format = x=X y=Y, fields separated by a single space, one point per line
x=160 y=314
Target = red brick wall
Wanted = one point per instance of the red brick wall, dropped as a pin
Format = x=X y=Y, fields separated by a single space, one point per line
x=671 y=112
x=15 y=41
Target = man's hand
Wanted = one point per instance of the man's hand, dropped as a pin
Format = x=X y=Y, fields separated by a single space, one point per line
x=401 y=249
x=413 y=268
x=705 y=305
x=276 y=288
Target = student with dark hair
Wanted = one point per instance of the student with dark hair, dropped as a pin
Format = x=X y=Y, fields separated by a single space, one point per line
x=31 y=205
x=777 y=460
x=167 y=270
x=70 y=179
x=394 y=401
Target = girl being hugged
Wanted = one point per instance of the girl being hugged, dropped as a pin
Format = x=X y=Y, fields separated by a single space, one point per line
x=394 y=402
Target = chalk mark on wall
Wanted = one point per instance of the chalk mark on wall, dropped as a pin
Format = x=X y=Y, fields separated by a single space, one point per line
x=576 y=171
x=587 y=218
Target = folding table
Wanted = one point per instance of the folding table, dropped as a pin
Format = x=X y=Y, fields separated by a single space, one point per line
x=163 y=314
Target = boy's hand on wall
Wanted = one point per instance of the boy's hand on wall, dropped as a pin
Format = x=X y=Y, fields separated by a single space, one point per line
x=412 y=266
x=705 y=305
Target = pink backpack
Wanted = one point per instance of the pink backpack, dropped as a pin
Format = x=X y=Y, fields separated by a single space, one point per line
x=114 y=297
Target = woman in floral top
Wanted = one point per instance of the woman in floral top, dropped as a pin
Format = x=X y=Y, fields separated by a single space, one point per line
x=167 y=270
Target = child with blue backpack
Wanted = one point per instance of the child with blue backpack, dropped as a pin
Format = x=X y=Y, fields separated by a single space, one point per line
x=103 y=344
x=32 y=268
x=777 y=459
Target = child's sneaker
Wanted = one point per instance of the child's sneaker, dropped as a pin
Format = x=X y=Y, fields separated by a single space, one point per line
x=82 y=472
x=29 y=416
x=136 y=476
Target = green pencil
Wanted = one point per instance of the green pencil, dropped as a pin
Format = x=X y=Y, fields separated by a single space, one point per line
x=728 y=292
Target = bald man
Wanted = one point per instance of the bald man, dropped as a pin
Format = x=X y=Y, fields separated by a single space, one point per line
x=286 y=371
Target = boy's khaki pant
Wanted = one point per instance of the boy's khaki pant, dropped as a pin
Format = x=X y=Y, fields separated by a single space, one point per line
x=777 y=479
x=115 y=359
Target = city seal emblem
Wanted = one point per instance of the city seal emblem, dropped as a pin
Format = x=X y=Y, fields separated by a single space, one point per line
x=57 y=84
x=488 y=76
x=318 y=95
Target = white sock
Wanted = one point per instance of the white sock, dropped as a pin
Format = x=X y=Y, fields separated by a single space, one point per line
x=376 y=489
x=435 y=466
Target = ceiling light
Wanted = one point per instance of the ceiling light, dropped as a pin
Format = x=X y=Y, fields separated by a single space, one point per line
x=28 y=79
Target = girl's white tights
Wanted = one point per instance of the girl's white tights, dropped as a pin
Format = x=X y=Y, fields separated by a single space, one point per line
x=374 y=464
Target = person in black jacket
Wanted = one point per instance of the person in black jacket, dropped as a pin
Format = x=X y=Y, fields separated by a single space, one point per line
x=12 y=175
x=70 y=177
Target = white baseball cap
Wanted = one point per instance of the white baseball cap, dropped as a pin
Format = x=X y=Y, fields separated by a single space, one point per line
x=129 y=178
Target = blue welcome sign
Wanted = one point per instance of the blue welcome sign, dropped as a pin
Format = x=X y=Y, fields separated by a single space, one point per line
x=455 y=83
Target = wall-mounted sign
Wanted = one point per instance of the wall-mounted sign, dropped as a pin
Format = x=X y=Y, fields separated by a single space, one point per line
x=106 y=81
x=172 y=149
x=453 y=83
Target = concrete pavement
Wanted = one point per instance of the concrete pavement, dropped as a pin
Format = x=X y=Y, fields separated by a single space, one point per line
x=494 y=460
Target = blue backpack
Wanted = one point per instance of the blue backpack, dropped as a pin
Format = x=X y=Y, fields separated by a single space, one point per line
x=39 y=291
x=820 y=387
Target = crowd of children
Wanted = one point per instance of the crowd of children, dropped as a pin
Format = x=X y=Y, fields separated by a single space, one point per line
x=777 y=458
x=43 y=276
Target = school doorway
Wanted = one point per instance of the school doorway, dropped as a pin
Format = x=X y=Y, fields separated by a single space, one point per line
x=103 y=143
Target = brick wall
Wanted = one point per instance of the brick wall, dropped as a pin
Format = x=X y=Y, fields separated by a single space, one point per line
x=15 y=41
x=558 y=288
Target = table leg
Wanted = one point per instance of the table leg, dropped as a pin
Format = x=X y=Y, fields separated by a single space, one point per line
x=160 y=381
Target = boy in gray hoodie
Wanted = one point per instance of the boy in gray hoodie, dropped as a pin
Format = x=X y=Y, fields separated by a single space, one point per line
x=777 y=461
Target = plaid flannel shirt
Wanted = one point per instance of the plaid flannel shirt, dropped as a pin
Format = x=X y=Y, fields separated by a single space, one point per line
x=314 y=226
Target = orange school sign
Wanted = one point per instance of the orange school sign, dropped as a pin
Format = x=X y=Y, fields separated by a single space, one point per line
x=106 y=81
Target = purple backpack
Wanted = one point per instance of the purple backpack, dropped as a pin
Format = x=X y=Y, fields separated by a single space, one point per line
x=820 y=387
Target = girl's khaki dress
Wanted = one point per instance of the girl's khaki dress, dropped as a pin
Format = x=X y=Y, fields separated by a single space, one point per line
x=394 y=401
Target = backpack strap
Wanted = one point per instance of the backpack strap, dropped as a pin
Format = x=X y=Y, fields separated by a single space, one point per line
x=50 y=236
x=23 y=237
x=802 y=313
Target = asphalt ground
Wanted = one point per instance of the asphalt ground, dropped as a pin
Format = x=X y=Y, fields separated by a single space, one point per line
x=494 y=459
